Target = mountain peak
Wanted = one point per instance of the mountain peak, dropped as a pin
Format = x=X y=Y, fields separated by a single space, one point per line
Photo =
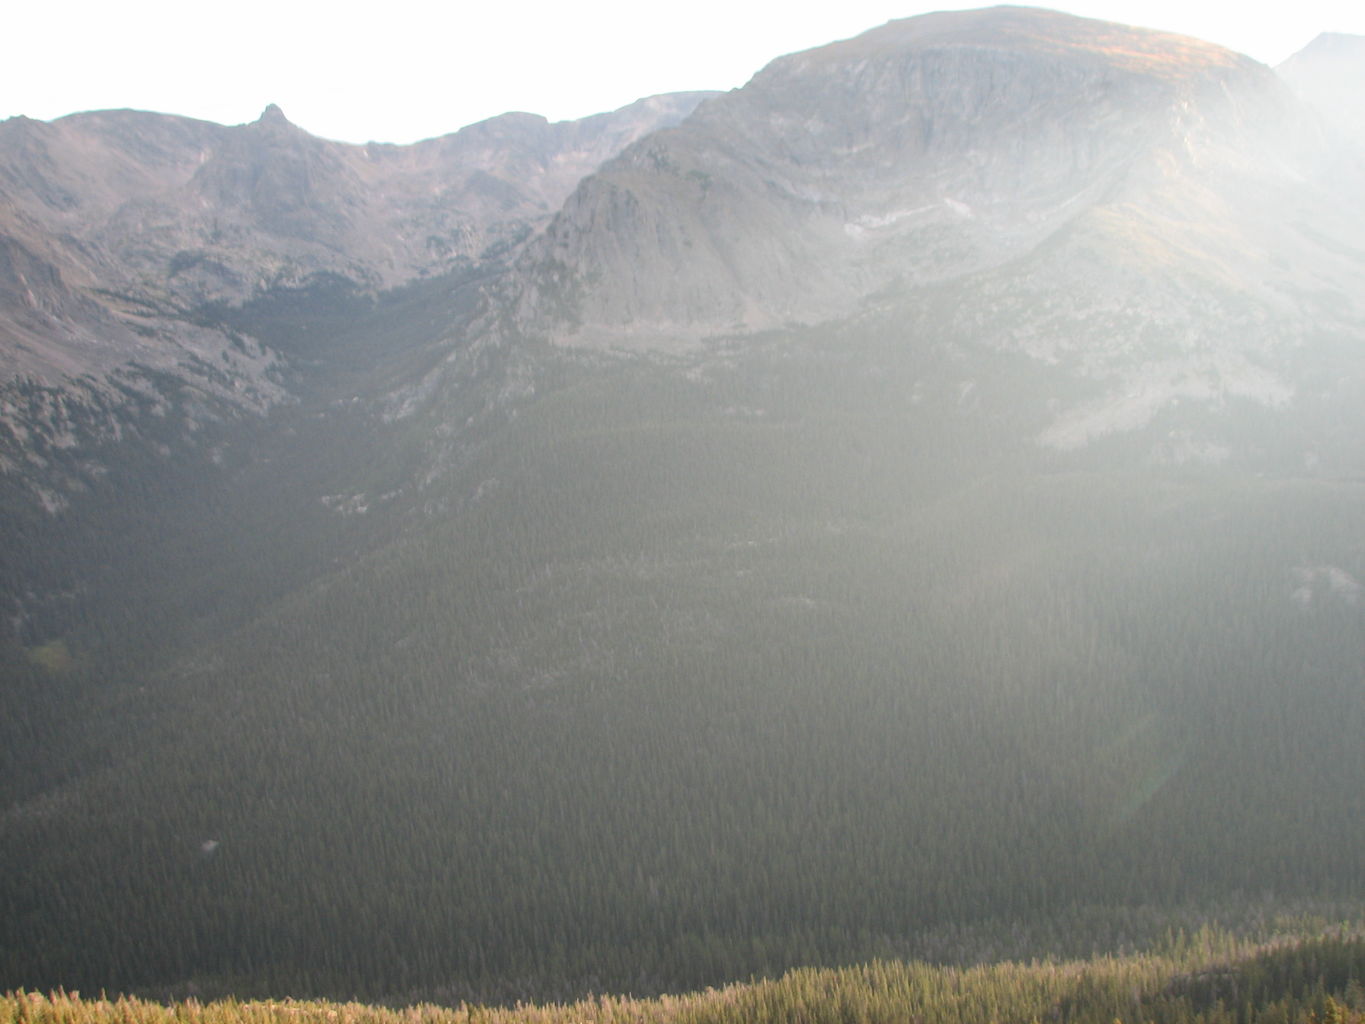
x=274 y=116
x=1031 y=28
x=1327 y=73
x=1334 y=43
x=1326 y=49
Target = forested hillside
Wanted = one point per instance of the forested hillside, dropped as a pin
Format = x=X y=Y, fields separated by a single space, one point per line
x=701 y=673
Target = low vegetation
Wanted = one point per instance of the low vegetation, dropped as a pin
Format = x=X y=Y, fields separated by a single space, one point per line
x=1205 y=978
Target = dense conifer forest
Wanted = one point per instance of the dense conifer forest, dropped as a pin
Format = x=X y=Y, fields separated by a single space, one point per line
x=683 y=674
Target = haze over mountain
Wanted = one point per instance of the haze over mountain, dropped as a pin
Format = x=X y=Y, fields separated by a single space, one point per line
x=909 y=505
x=1151 y=214
x=1327 y=73
x=940 y=149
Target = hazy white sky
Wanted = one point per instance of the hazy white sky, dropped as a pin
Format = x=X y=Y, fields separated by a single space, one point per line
x=401 y=70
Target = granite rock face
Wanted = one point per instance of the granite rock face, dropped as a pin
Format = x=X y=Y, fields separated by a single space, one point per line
x=920 y=152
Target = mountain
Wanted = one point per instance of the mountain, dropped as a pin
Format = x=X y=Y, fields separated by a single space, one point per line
x=918 y=152
x=909 y=506
x=119 y=229
x=1149 y=212
x=1327 y=73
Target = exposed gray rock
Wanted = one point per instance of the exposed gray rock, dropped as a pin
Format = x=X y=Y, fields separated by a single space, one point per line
x=117 y=226
x=919 y=152
x=1157 y=217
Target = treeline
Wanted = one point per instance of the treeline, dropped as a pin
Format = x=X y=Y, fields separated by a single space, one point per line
x=1206 y=978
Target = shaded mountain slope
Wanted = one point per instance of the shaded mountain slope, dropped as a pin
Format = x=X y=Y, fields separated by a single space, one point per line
x=695 y=676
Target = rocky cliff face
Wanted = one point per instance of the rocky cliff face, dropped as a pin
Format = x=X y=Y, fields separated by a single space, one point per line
x=1158 y=219
x=118 y=227
x=1161 y=221
x=920 y=152
x=270 y=205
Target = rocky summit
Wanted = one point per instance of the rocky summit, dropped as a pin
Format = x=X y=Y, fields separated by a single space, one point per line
x=917 y=153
